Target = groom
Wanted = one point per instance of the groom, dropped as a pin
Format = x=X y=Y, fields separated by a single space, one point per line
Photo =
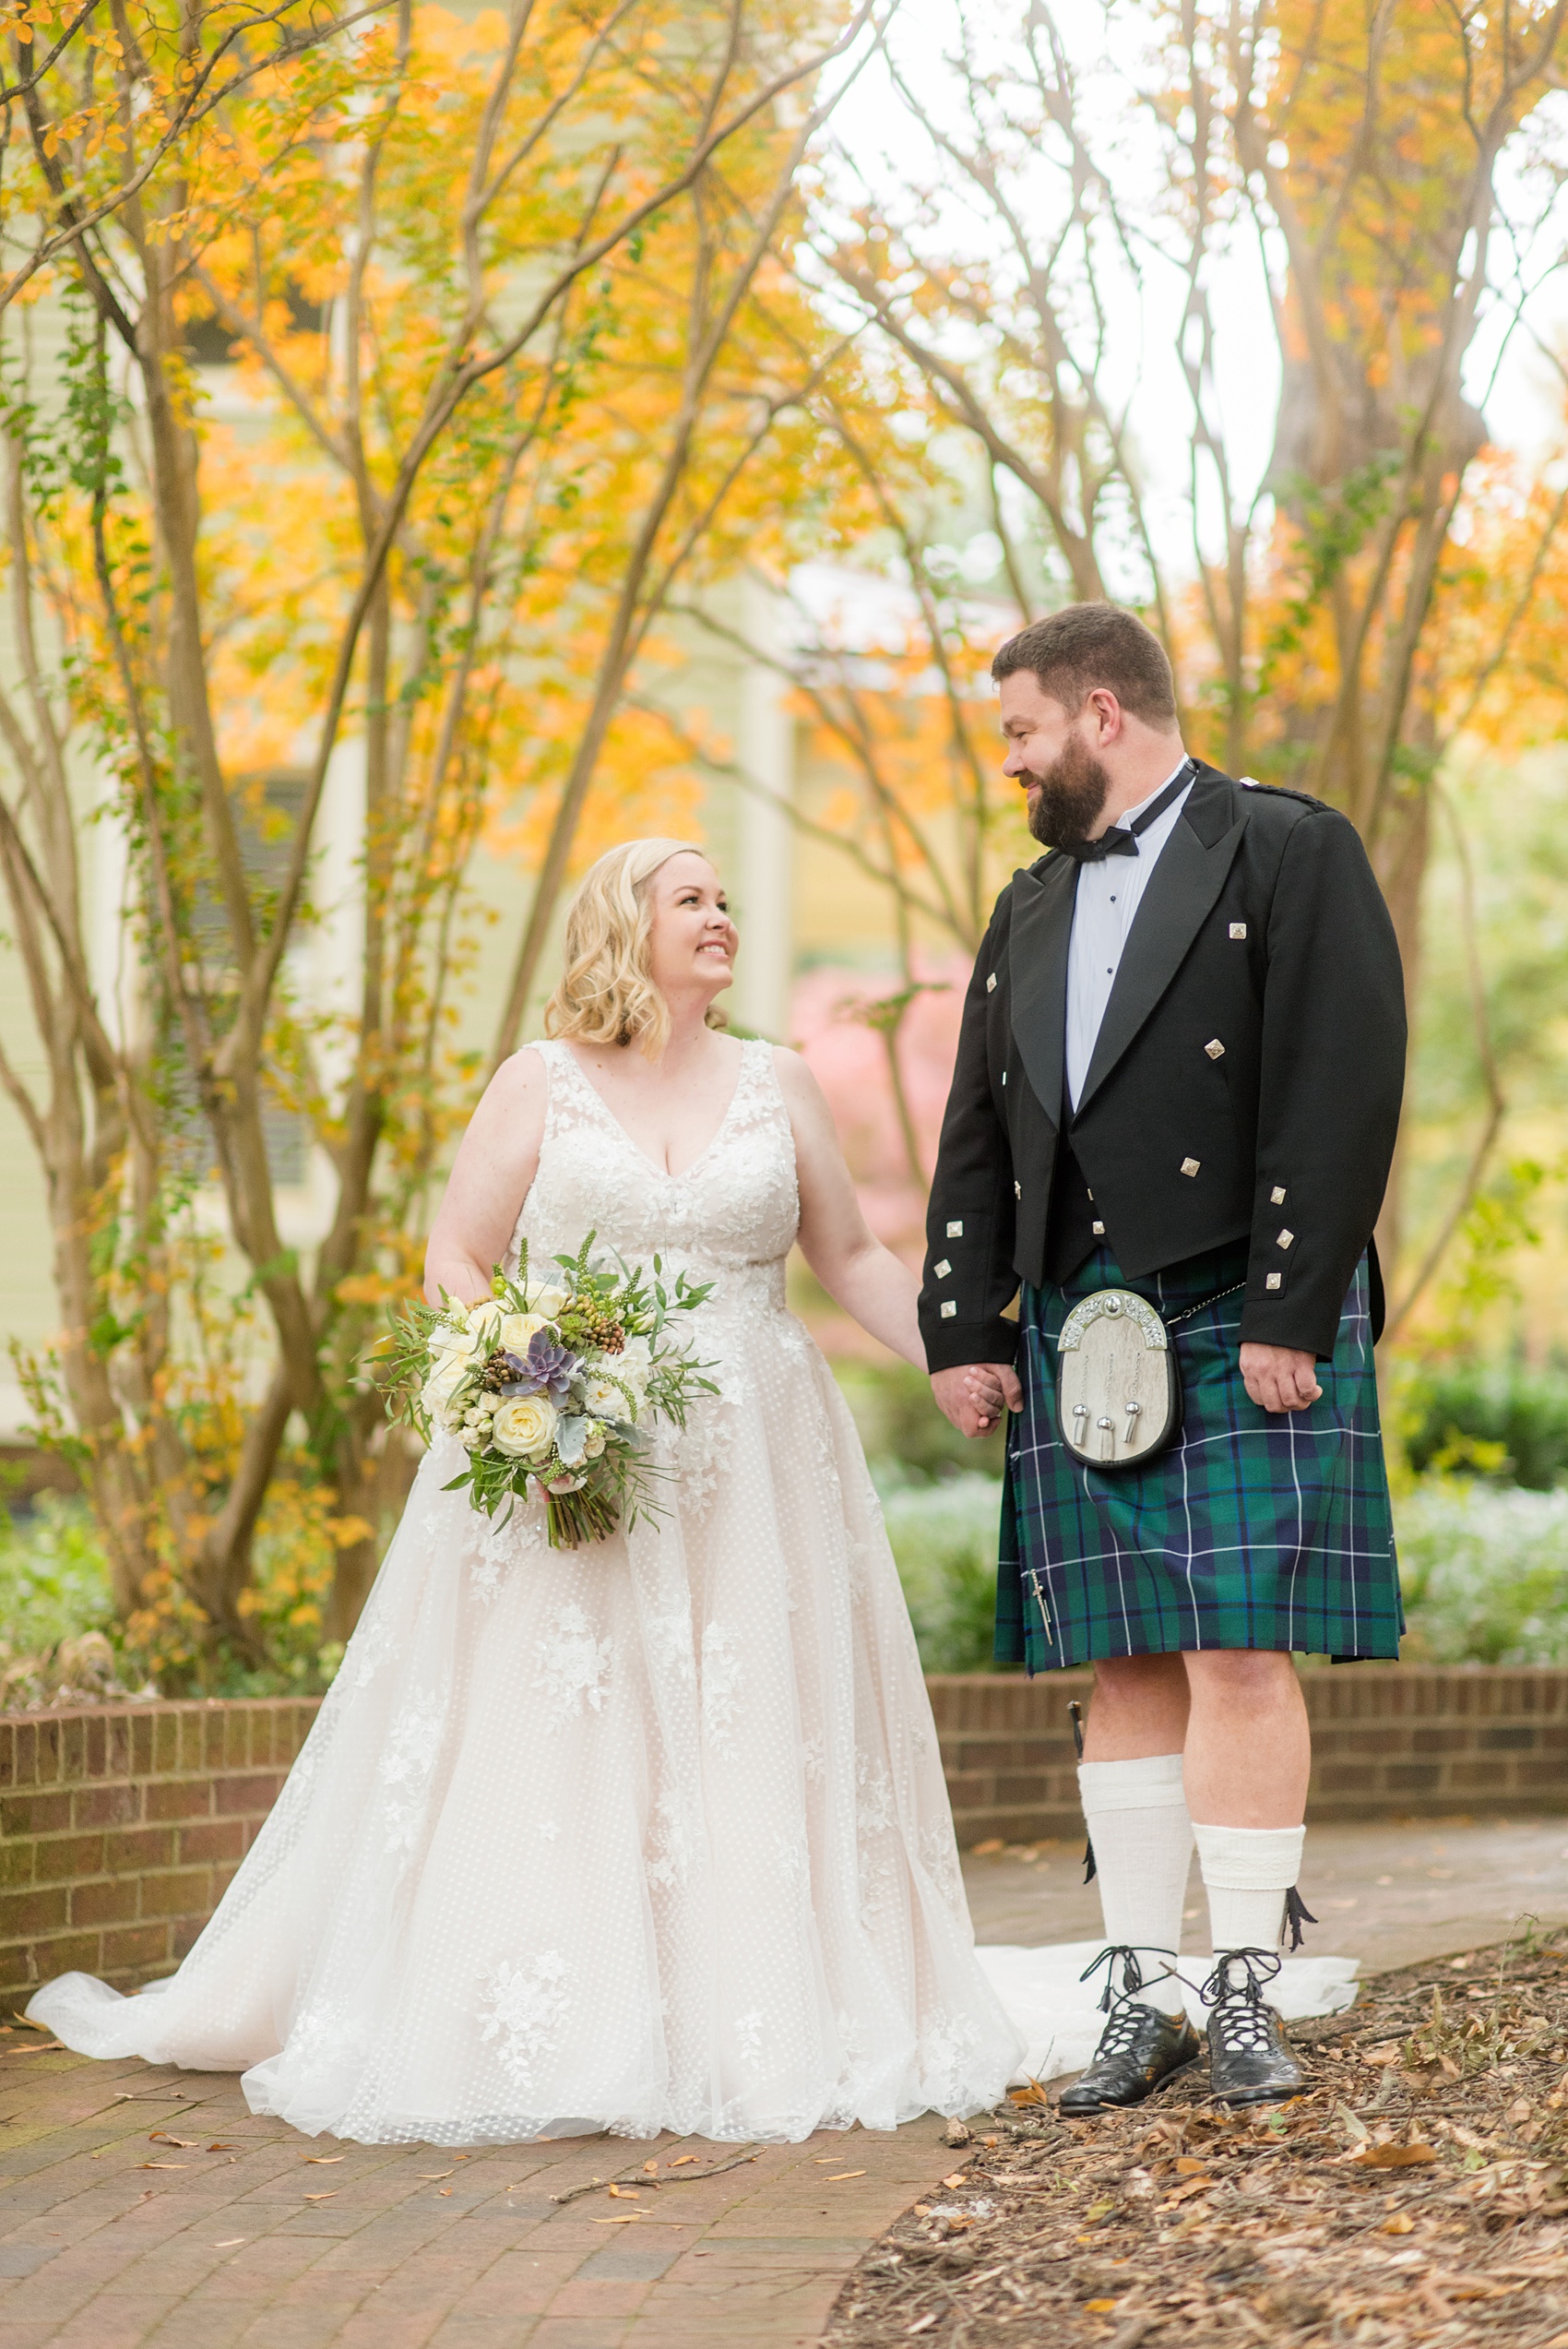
x=1179 y=1071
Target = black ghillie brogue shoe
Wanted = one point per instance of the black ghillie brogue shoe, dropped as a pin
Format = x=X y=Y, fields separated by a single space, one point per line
x=1248 y=2060
x=1140 y=2047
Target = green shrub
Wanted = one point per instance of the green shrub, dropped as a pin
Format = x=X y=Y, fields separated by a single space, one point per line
x=54 y=1580
x=943 y=1538
x=1485 y=1573
x=1501 y=1419
x=905 y=1435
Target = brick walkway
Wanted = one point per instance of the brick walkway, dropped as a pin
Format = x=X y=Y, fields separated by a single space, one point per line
x=112 y=2237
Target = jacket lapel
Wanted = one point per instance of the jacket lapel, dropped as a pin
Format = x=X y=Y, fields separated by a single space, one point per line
x=1182 y=889
x=1037 y=957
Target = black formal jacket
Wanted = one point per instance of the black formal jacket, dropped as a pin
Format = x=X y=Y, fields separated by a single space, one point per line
x=1245 y=1084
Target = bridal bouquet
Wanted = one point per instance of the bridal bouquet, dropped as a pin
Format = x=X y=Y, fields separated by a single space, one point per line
x=551 y=1384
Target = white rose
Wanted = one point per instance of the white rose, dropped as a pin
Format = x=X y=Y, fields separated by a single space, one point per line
x=516 y=1328
x=449 y=1374
x=634 y=1364
x=549 y=1300
x=524 y=1426
x=484 y=1321
x=454 y=1339
x=593 y=1442
x=604 y=1399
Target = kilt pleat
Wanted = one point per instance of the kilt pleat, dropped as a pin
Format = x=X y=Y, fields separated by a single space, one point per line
x=1254 y=1529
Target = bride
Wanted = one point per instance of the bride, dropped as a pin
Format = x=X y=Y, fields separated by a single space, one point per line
x=650 y=1834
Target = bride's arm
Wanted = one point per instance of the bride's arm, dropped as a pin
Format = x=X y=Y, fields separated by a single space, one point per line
x=496 y=1161
x=856 y=1271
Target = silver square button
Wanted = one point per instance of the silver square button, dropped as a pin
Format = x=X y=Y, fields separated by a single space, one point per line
x=1273 y=1280
x=942 y=1269
x=949 y=1310
x=955 y=1231
x=1238 y=929
x=1277 y=1196
x=1285 y=1239
x=1191 y=1165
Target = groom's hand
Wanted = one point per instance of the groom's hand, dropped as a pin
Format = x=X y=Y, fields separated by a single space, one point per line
x=1279 y=1377
x=974 y=1395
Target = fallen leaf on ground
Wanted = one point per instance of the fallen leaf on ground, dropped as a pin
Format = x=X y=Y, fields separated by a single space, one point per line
x=620 y=2218
x=228 y=2243
x=957 y=2178
x=1099 y=2307
x=219 y=2149
x=1400 y=2224
x=161 y=2137
x=322 y=2198
x=433 y=2174
x=623 y=2193
x=1187 y=2167
x=1393 y=2157
x=163 y=2165
x=325 y=2160
x=681 y=2159
x=838 y=2178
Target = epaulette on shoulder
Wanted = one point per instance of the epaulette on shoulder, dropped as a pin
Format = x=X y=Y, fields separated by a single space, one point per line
x=1280 y=791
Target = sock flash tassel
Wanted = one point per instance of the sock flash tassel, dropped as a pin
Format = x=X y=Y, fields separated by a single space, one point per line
x=1076 y=1715
x=1297 y=1913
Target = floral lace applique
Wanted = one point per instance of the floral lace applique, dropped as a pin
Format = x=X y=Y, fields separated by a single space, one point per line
x=748 y=2039
x=675 y=1837
x=577 y=1664
x=669 y=1636
x=407 y=1761
x=939 y=1857
x=369 y=1648
x=525 y=2007
x=873 y=1793
x=813 y=1759
x=720 y=1687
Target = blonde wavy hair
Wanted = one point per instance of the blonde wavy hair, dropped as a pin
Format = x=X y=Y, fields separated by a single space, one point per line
x=606 y=994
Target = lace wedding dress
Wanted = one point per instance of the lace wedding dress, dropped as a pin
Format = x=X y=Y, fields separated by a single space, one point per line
x=648 y=1835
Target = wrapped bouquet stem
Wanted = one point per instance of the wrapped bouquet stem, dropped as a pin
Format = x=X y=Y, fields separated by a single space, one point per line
x=551 y=1385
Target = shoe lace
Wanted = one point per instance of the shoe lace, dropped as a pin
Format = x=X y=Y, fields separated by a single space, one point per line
x=1133 y=1978
x=1245 y=2023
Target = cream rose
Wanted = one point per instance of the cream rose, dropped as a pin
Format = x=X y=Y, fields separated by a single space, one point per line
x=549 y=1301
x=516 y=1328
x=524 y=1426
x=593 y=1441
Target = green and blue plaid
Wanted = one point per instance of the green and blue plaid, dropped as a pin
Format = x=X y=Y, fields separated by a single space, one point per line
x=1254 y=1530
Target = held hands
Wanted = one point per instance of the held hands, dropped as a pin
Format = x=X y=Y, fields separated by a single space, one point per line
x=1278 y=1378
x=974 y=1395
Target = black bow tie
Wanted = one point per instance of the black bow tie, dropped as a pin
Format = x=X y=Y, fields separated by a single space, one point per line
x=1123 y=841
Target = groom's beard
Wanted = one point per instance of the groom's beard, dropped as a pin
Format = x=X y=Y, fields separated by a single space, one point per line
x=1072 y=792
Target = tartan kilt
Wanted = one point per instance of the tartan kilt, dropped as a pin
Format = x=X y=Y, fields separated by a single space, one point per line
x=1254 y=1530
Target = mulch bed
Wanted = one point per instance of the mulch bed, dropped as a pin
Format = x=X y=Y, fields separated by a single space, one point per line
x=1417 y=2192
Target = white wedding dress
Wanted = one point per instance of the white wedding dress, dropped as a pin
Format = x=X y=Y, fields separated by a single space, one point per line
x=651 y=1834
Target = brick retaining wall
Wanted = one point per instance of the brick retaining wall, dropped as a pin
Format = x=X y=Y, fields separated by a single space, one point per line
x=1414 y=1740
x=121 y=1825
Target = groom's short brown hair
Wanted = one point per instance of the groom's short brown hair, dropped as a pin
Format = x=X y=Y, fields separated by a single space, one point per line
x=1085 y=645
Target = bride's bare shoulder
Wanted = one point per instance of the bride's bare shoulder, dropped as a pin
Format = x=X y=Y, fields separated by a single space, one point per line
x=802 y=1094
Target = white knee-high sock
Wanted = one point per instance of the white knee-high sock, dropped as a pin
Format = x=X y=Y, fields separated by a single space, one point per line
x=1137 y=1820
x=1247 y=1872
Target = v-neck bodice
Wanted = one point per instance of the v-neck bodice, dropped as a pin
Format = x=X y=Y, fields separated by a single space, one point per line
x=735 y=1207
